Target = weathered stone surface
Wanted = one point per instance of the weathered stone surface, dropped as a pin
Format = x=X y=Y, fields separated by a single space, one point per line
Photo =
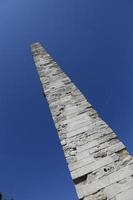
x=99 y=163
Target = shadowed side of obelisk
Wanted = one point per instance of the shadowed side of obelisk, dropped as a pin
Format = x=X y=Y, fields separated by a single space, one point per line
x=99 y=163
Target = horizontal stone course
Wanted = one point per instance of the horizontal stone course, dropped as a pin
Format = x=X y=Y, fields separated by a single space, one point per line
x=106 y=181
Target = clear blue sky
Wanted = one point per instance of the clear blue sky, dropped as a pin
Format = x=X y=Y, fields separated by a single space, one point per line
x=93 y=43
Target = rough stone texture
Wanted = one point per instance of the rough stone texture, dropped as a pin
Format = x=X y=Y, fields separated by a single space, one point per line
x=99 y=163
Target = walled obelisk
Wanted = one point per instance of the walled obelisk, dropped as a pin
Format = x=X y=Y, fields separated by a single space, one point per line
x=99 y=163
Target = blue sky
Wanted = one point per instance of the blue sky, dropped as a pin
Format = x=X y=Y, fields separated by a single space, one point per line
x=93 y=43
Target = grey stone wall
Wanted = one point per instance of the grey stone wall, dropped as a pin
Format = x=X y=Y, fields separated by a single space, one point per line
x=99 y=163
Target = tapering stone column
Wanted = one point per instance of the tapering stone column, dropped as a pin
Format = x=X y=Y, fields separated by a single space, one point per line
x=99 y=163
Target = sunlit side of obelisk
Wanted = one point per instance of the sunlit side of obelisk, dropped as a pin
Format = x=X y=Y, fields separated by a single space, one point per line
x=99 y=163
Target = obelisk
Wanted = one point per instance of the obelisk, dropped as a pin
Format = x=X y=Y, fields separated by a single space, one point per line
x=99 y=163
